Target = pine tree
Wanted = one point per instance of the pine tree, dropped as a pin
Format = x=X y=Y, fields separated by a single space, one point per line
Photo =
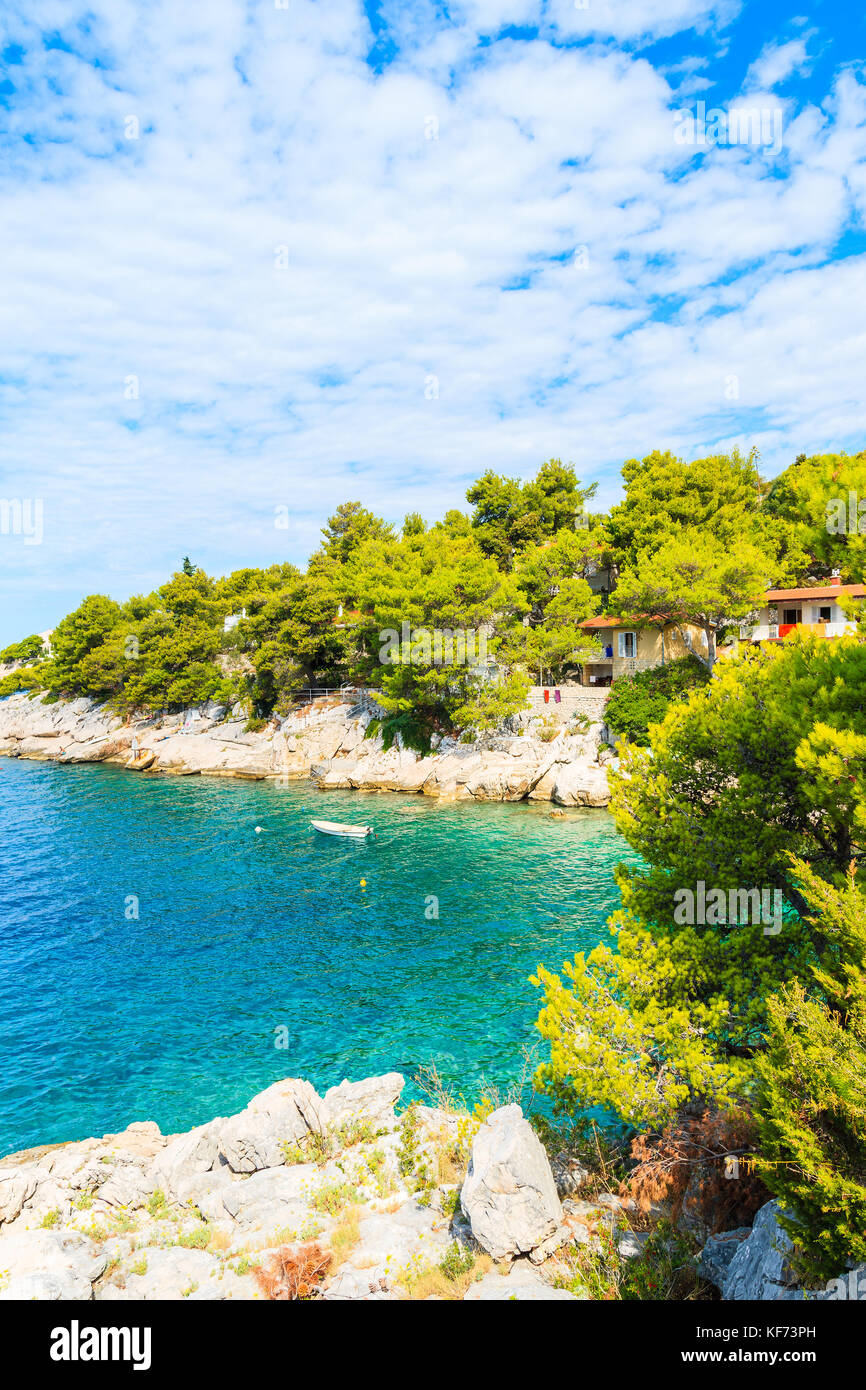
x=811 y=1104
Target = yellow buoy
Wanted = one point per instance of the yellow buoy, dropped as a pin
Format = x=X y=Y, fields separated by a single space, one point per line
x=363 y=883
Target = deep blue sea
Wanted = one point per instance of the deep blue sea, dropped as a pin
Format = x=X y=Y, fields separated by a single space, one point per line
x=243 y=940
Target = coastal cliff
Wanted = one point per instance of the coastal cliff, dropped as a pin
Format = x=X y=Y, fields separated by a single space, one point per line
x=340 y=1197
x=538 y=757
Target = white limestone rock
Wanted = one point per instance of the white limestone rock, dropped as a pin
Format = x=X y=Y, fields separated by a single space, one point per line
x=272 y=1198
x=48 y=1265
x=286 y=1113
x=174 y=1272
x=194 y=1152
x=509 y=1195
x=372 y=1100
x=520 y=1285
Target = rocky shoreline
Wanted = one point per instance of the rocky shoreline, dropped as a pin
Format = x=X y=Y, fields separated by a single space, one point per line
x=535 y=757
x=336 y=1197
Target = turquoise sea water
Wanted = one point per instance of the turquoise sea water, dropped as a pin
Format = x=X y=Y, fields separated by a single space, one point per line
x=106 y=1017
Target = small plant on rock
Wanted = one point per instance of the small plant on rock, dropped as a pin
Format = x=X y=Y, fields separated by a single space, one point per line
x=199 y=1239
x=456 y=1262
x=410 y=1157
x=157 y=1205
x=334 y=1197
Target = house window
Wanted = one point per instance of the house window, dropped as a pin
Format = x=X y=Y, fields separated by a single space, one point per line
x=790 y=615
x=824 y=614
x=627 y=643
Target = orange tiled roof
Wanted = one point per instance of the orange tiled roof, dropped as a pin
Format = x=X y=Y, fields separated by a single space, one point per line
x=610 y=620
x=830 y=591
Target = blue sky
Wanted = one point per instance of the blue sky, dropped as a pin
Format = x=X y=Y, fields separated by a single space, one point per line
x=260 y=260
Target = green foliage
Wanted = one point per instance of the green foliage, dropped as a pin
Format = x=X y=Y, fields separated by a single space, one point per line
x=171 y=662
x=663 y=1271
x=720 y=497
x=350 y=527
x=333 y=1197
x=199 y=1239
x=456 y=1262
x=406 y=726
x=428 y=607
x=809 y=497
x=811 y=1103
x=694 y=578
x=642 y=699
x=29 y=649
x=297 y=638
x=413 y=525
x=411 y=1159
x=157 y=1204
x=509 y=517
x=557 y=598
x=767 y=758
x=74 y=641
x=25 y=678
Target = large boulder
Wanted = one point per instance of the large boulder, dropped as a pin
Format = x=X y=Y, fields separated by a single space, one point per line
x=509 y=1195
x=450 y=774
x=499 y=780
x=286 y=1113
x=372 y=1100
x=715 y=1258
x=760 y=1267
x=398 y=1239
x=194 y=1152
x=579 y=785
x=128 y=1185
x=206 y=1191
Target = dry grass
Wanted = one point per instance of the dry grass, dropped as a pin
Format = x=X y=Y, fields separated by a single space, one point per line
x=430 y=1282
x=451 y=1166
x=294 y=1272
x=345 y=1237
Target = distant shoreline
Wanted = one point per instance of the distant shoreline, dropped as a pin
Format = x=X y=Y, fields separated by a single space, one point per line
x=325 y=743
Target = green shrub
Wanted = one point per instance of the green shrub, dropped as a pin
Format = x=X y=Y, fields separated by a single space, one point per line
x=456 y=1262
x=812 y=1100
x=642 y=699
x=413 y=734
x=25 y=678
x=30 y=649
x=198 y=1239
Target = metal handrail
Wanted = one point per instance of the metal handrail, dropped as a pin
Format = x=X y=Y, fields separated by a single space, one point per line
x=309 y=693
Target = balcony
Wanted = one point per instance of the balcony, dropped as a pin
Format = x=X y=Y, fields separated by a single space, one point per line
x=768 y=632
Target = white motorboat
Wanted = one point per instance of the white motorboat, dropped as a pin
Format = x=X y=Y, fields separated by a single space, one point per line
x=335 y=827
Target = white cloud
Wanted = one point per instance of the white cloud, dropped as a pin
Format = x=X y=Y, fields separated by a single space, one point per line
x=775 y=64
x=626 y=20
x=408 y=258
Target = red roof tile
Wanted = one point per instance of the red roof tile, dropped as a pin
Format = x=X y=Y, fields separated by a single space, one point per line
x=610 y=620
x=828 y=591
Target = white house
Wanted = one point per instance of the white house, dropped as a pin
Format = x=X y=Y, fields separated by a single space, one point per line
x=815 y=609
